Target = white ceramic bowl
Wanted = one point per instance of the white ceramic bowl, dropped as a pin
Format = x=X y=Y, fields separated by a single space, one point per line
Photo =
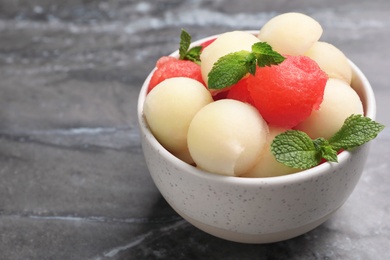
x=256 y=210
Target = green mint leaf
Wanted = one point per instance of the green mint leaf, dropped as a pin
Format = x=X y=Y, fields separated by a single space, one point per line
x=295 y=149
x=326 y=150
x=229 y=69
x=250 y=63
x=355 y=131
x=185 y=53
x=194 y=54
x=265 y=55
x=185 y=41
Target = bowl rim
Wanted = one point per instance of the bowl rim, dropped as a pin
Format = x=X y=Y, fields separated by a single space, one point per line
x=368 y=100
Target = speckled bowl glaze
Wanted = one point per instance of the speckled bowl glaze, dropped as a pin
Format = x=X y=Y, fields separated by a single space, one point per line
x=256 y=210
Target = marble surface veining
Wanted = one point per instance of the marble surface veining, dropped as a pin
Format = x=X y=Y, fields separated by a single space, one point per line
x=73 y=180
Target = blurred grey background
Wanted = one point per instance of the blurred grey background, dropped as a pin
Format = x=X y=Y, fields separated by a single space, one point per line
x=73 y=181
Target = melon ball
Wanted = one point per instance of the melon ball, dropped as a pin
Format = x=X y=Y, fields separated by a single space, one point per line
x=268 y=166
x=226 y=137
x=225 y=43
x=169 y=108
x=340 y=101
x=331 y=60
x=291 y=33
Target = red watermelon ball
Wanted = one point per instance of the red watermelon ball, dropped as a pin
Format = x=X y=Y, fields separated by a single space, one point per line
x=240 y=92
x=286 y=94
x=170 y=67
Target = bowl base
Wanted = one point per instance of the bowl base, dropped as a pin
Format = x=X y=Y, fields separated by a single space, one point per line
x=256 y=238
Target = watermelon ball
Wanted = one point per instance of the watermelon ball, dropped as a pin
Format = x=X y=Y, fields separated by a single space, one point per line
x=240 y=92
x=170 y=67
x=286 y=94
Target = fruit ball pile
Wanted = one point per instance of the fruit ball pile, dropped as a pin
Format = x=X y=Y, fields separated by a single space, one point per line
x=229 y=131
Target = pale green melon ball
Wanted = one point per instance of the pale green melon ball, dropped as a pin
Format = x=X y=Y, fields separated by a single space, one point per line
x=268 y=166
x=291 y=33
x=169 y=109
x=226 y=137
x=331 y=60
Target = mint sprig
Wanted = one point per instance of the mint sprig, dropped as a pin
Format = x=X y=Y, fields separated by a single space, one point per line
x=229 y=69
x=185 y=53
x=297 y=150
x=265 y=55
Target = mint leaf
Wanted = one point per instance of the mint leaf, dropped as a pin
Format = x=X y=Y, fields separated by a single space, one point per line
x=250 y=63
x=356 y=131
x=194 y=54
x=265 y=55
x=185 y=41
x=325 y=149
x=230 y=68
x=185 y=53
x=295 y=149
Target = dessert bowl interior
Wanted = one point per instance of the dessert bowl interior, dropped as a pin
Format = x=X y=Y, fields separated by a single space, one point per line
x=256 y=210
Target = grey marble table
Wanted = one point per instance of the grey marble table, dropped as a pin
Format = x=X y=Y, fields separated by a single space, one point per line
x=73 y=180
